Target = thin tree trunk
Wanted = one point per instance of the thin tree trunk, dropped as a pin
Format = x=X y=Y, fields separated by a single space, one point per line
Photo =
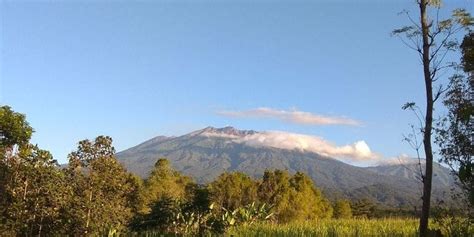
x=88 y=212
x=34 y=215
x=40 y=227
x=25 y=190
x=425 y=211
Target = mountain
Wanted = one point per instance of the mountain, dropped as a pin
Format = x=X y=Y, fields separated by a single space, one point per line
x=206 y=153
x=441 y=175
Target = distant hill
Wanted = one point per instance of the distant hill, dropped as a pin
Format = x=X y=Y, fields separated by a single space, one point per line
x=206 y=153
x=442 y=176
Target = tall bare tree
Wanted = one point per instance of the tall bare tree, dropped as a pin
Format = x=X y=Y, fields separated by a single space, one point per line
x=432 y=38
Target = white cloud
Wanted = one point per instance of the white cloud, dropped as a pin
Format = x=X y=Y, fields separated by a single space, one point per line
x=356 y=152
x=221 y=135
x=402 y=159
x=293 y=116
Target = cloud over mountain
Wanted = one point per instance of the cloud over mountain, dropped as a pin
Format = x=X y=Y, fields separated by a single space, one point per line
x=292 y=116
x=402 y=159
x=357 y=152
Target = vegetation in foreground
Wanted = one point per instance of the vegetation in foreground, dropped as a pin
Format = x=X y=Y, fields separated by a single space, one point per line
x=347 y=227
x=356 y=227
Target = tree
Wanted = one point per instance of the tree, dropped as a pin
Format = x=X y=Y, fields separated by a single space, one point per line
x=15 y=131
x=342 y=209
x=307 y=201
x=163 y=216
x=432 y=40
x=454 y=135
x=102 y=188
x=38 y=192
x=233 y=190
x=467 y=50
x=363 y=208
x=293 y=197
x=164 y=181
x=32 y=190
x=275 y=188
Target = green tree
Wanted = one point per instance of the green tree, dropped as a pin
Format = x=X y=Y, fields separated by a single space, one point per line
x=32 y=187
x=454 y=135
x=35 y=193
x=307 y=201
x=294 y=197
x=233 y=190
x=431 y=38
x=43 y=193
x=467 y=50
x=275 y=189
x=342 y=209
x=15 y=131
x=363 y=208
x=163 y=216
x=102 y=188
x=164 y=181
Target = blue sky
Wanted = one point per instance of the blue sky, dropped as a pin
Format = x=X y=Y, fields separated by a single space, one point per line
x=137 y=69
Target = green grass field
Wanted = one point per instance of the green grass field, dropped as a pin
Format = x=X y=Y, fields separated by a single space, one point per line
x=350 y=227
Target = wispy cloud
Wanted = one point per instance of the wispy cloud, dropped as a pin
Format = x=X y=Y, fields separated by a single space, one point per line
x=402 y=159
x=292 y=116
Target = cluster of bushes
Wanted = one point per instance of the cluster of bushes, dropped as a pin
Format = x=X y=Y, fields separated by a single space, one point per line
x=95 y=195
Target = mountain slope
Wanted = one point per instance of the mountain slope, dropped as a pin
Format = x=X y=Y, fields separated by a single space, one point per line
x=203 y=156
x=441 y=175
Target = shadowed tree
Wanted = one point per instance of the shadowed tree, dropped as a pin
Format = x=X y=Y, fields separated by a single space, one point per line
x=455 y=133
x=363 y=208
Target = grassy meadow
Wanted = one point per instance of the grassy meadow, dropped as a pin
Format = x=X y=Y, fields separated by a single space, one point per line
x=356 y=227
x=332 y=227
x=346 y=227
